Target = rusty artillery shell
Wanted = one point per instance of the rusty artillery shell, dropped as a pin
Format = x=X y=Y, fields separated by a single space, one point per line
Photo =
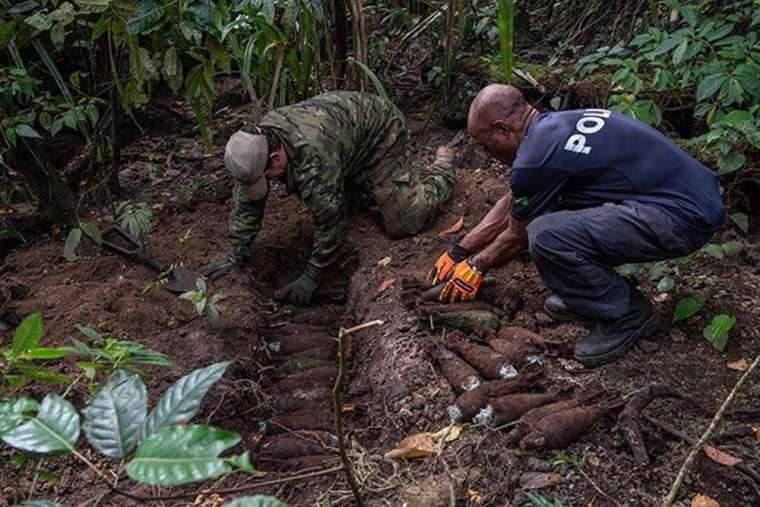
x=460 y=375
x=293 y=344
x=291 y=445
x=297 y=364
x=529 y=419
x=509 y=408
x=297 y=399
x=313 y=419
x=488 y=362
x=468 y=404
x=561 y=429
x=323 y=376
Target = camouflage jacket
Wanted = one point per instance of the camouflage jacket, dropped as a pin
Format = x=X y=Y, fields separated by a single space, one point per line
x=328 y=138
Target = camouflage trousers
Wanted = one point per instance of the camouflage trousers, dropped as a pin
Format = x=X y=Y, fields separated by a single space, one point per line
x=408 y=196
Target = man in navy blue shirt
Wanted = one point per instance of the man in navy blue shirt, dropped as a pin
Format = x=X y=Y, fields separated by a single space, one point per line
x=590 y=190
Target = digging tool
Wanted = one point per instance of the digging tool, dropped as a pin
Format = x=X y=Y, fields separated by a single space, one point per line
x=180 y=279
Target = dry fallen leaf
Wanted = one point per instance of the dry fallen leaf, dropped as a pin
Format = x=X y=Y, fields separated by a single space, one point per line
x=474 y=496
x=757 y=433
x=721 y=457
x=537 y=480
x=454 y=228
x=423 y=444
x=703 y=501
x=348 y=407
x=387 y=284
x=384 y=261
x=740 y=365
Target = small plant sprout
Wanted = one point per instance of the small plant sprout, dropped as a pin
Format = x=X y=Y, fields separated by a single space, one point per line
x=205 y=304
x=136 y=218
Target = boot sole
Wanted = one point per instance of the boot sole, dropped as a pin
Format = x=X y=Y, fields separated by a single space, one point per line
x=561 y=317
x=649 y=327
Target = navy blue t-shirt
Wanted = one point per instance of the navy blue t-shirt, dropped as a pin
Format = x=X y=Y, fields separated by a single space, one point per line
x=587 y=157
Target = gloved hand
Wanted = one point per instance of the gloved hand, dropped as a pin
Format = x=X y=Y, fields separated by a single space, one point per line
x=464 y=283
x=216 y=269
x=300 y=291
x=446 y=263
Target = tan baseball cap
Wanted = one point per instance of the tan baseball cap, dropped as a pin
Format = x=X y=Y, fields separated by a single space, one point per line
x=245 y=157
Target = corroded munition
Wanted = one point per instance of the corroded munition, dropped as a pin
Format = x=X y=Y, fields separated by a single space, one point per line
x=460 y=375
x=509 y=408
x=488 y=362
x=529 y=419
x=469 y=403
x=323 y=376
x=558 y=430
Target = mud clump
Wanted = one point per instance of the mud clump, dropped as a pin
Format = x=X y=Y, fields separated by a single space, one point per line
x=323 y=316
x=322 y=376
x=296 y=365
x=561 y=429
x=461 y=376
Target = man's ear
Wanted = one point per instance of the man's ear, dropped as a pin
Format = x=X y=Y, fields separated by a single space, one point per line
x=502 y=126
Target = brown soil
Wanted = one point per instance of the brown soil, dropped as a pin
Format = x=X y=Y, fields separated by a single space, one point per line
x=393 y=390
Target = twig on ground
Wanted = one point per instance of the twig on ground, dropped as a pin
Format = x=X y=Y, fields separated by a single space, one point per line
x=667 y=428
x=337 y=404
x=668 y=501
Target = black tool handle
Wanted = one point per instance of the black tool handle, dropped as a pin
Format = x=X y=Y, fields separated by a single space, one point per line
x=134 y=249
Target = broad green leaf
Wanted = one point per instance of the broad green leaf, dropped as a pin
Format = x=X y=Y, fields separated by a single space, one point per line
x=55 y=428
x=182 y=454
x=680 y=52
x=28 y=334
x=93 y=5
x=92 y=232
x=629 y=269
x=256 y=501
x=147 y=18
x=737 y=119
x=717 y=332
x=687 y=308
x=742 y=221
x=732 y=248
x=709 y=86
x=114 y=416
x=730 y=162
x=243 y=462
x=72 y=242
x=15 y=412
x=714 y=251
x=47 y=353
x=666 y=284
x=657 y=270
x=40 y=21
x=555 y=102
x=668 y=44
x=181 y=401
x=89 y=333
x=172 y=69
x=27 y=131
x=33 y=372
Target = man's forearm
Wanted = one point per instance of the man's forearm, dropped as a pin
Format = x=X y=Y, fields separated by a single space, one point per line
x=504 y=248
x=493 y=224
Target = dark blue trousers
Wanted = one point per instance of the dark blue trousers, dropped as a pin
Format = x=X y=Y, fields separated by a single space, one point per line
x=576 y=252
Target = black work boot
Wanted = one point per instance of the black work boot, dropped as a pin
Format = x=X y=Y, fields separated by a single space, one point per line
x=557 y=310
x=610 y=340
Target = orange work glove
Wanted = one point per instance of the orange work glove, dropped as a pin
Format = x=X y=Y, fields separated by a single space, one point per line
x=464 y=283
x=446 y=263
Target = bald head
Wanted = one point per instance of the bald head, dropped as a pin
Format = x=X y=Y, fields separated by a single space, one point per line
x=498 y=118
x=496 y=102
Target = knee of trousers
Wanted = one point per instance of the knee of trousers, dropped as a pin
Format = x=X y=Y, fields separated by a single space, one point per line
x=542 y=237
x=405 y=218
